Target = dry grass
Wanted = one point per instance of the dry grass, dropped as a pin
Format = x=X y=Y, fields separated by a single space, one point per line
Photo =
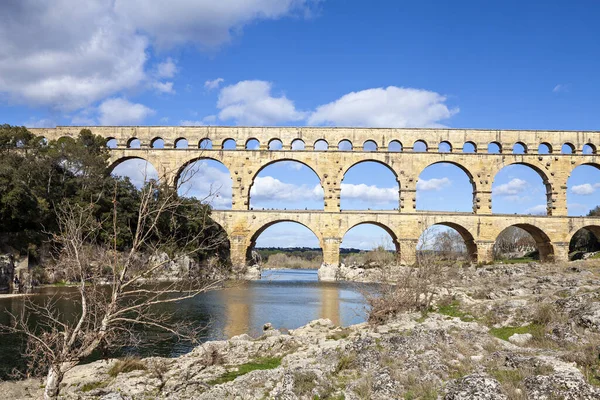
x=126 y=365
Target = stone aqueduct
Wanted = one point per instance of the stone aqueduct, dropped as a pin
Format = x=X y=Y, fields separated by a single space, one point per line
x=479 y=229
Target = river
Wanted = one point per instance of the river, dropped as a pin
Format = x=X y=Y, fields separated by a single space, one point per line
x=285 y=298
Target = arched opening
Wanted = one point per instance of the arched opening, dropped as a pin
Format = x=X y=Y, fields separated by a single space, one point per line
x=447 y=241
x=583 y=190
x=286 y=185
x=298 y=144
x=275 y=144
x=445 y=186
x=369 y=244
x=133 y=143
x=469 y=147
x=583 y=242
x=285 y=245
x=494 y=148
x=588 y=149
x=420 y=146
x=181 y=143
x=321 y=145
x=157 y=143
x=369 y=185
x=345 y=145
x=545 y=148
x=522 y=243
x=519 y=148
x=206 y=180
x=228 y=144
x=205 y=144
x=567 y=148
x=137 y=170
x=395 y=146
x=111 y=143
x=444 y=147
x=370 y=145
x=252 y=144
x=521 y=189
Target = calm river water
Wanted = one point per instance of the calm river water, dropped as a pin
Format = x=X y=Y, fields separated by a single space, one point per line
x=285 y=298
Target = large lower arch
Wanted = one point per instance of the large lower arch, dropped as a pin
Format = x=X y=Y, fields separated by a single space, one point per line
x=467 y=237
x=542 y=241
x=517 y=186
x=256 y=234
x=447 y=206
x=281 y=162
x=585 y=239
x=375 y=246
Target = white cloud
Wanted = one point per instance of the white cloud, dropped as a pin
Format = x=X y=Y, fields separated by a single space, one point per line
x=385 y=107
x=583 y=190
x=163 y=87
x=41 y=123
x=368 y=193
x=433 y=184
x=251 y=103
x=269 y=188
x=68 y=54
x=560 y=88
x=214 y=84
x=540 y=209
x=119 y=111
x=166 y=69
x=512 y=188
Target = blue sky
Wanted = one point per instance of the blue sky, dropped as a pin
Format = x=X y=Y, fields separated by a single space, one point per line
x=468 y=64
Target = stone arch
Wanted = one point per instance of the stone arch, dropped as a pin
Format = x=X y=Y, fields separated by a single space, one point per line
x=157 y=143
x=540 y=172
x=543 y=243
x=395 y=146
x=121 y=160
x=588 y=148
x=519 y=148
x=181 y=143
x=469 y=147
x=445 y=147
x=545 y=148
x=271 y=162
x=111 y=142
x=381 y=225
x=251 y=241
x=369 y=160
x=131 y=142
x=567 y=148
x=370 y=145
x=275 y=144
x=345 y=145
x=580 y=234
x=298 y=144
x=138 y=176
x=464 y=169
x=420 y=146
x=228 y=144
x=252 y=144
x=587 y=187
x=321 y=145
x=195 y=159
x=212 y=183
x=464 y=233
x=494 y=148
x=205 y=144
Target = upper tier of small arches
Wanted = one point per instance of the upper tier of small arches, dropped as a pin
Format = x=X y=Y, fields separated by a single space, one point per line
x=341 y=139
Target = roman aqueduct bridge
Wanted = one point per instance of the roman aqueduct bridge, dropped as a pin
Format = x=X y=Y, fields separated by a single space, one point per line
x=320 y=150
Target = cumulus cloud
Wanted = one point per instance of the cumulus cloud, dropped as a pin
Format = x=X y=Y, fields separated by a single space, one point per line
x=251 y=103
x=385 y=107
x=163 y=87
x=540 y=209
x=515 y=187
x=119 y=111
x=67 y=55
x=214 y=84
x=369 y=193
x=583 y=190
x=433 y=184
x=269 y=188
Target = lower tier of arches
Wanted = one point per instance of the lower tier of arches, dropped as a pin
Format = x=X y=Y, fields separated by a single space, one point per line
x=479 y=232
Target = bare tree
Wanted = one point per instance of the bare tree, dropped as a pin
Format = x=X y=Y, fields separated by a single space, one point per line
x=117 y=290
x=513 y=242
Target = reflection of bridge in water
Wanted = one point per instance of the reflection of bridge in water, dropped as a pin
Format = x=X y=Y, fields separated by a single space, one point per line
x=317 y=148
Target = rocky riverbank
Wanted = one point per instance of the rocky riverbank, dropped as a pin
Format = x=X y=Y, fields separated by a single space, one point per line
x=524 y=331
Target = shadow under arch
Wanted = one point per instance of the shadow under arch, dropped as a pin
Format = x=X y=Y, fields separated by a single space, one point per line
x=383 y=226
x=267 y=225
x=542 y=175
x=271 y=162
x=464 y=233
x=542 y=241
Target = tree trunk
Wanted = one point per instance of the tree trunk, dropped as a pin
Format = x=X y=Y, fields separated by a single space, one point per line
x=53 y=381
